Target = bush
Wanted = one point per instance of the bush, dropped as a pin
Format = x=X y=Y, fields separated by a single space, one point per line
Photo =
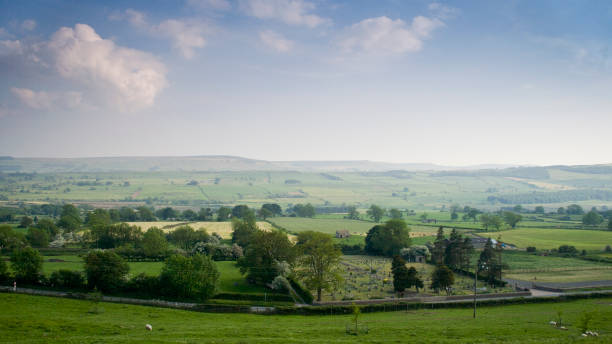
x=105 y=270
x=144 y=285
x=67 y=279
x=608 y=248
x=567 y=250
x=27 y=264
x=531 y=249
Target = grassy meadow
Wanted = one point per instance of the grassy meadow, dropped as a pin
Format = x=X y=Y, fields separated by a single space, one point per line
x=37 y=319
x=553 y=238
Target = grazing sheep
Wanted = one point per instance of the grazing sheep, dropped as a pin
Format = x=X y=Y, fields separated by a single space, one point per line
x=149 y=327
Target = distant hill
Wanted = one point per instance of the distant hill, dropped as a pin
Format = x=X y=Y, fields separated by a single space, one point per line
x=233 y=163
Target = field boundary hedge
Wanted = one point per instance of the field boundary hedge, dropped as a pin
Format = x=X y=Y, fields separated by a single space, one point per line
x=317 y=310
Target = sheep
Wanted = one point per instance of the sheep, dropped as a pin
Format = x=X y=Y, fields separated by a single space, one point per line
x=148 y=327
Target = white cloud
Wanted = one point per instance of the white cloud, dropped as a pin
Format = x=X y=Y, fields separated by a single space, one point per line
x=276 y=41
x=293 y=12
x=186 y=35
x=48 y=101
x=130 y=78
x=220 y=5
x=4 y=33
x=443 y=11
x=28 y=25
x=9 y=47
x=384 y=36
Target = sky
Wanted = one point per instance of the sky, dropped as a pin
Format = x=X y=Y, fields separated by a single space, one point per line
x=448 y=82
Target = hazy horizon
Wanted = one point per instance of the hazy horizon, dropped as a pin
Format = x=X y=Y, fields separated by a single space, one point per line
x=450 y=83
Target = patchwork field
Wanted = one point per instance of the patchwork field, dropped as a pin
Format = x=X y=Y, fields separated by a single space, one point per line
x=224 y=229
x=553 y=238
x=330 y=226
x=36 y=319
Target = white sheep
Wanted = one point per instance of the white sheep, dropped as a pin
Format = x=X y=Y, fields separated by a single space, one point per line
x=148 y=327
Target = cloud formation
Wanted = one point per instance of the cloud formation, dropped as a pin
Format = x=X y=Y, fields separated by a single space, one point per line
x=28 y=25
x=105 y=74
x=186 y=35
x=219 y=5
x=275 y=41
x=385 y=36
x=48 y=101
x=293 y=12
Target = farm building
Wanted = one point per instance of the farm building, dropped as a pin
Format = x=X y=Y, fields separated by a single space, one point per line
x=479 y=243
x=343 y=233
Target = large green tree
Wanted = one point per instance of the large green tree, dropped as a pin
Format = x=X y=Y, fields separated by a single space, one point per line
x=243 y=230
x=439 y=248
x=154 y=242
x=388 y=239
x=592 y=218
x=262 y=255
x=37 y=237
x=319 y=260
x=70 y=218
x=26 y=263
x=491 y=221
x=105 y=270
x=352 y=213
x=192 y=277
x=442 y=279
x=512 y=218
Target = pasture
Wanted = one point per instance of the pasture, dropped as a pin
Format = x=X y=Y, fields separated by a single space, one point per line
x=553 y=238
x=37 y=319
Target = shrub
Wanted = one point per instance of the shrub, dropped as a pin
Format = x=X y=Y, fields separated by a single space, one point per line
x=105 y=270
x=567 y=250
x=67 y=279
x=531 y=249
x=608 y=248
x=144 y=285
x=303 y=293
x=27 y=264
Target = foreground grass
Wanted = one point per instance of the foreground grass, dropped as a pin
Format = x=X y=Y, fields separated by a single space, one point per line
x=36 y=319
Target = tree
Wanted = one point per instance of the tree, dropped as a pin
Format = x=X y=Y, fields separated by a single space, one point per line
x=48 y=226
x=243 y=230
x=111 y=236
x=154 y=242
x=489 y=263
x=145 y=214
x=26 y=263
x=610 y=224
x=127 y=214
x=274 y=209
x=264 y=213
x=453 y=253
x=592 y=218
x=241 y=212
x=185 y=237
x=262 y=255
x=439 y=249
x=3 y=271
x=205 y=214
x=442 y=278
x=400 y=274
x=512 y=218
x=561 y=211
x=304 y=210
x=395 y=214
x=470 y=213
x=319 y=261
x=166 y=213
x=414 y=280
x=70 y=218
x=9 y=239
x=189 y=215
x=353 y=214
x=539 y=209
x=375 y=212
x=388 y=239
x=192 y=277
x=491 y=220
x=25 y=222
x=37 y=237
x=454 y=216
x=105 y=270
x=574 y=209
x=98 y=217
x=223 y=213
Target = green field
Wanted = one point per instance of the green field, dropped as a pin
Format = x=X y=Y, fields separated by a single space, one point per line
x=563 y=275
x=553 y=238
x=36 y=319
x=325 y=225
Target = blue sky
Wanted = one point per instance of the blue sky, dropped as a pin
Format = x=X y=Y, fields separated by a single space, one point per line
x=454 y=82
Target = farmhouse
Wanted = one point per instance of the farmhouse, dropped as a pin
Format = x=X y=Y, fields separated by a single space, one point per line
x=342 y=233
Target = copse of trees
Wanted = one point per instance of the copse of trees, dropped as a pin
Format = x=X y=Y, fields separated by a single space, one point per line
x=242 y=211
x=272 y=209
x=186 y=237
x=388 y=239
x=223 y=213
x=491 y=221
x=592 y=218
x=375 y=212
x=243 y=231
x=454 y=252
x=37 y=237
x=403 y=277
x=115 y=235
x=10 y=240
x=70 y=218
x=304 y=210
x=263 y=254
